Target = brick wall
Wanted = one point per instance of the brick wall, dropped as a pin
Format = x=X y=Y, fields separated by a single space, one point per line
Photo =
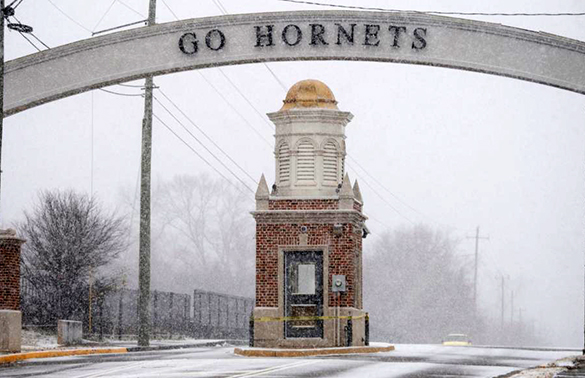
x=303 y=204
x=10 y=274
x=342 y=251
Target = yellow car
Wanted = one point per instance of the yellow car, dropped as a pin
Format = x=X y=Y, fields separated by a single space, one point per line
x=457 y=339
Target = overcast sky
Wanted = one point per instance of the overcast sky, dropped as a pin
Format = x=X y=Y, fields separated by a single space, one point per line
x=459 y=149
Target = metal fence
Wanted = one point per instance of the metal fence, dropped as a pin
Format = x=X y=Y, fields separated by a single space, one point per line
x=218 y=315
x=114 y=314
x=170 y=313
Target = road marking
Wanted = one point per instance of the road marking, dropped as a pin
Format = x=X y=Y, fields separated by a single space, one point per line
x=275 y=368
x=113 y=370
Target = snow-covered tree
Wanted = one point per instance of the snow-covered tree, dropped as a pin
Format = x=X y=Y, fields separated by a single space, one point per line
x=70 y=239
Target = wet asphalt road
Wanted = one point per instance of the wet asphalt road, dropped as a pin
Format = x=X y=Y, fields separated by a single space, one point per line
x=406 y=361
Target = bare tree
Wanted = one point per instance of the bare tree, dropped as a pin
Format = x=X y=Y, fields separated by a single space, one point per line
x=202 y=236
x=418 y=289
x=69 y=237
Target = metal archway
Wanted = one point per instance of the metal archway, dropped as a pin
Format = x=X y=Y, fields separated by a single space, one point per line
x=411 y=38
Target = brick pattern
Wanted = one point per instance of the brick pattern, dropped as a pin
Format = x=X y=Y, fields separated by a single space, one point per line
x=10 y=274
x=316 y=204
x=342 y=252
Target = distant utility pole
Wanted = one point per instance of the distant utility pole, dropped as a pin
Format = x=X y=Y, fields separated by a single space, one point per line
x=144 y=248
x=502 y=320
x=512 y=307
x=476 y=237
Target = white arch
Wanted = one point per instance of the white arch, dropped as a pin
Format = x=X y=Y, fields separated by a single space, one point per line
x=412 y=38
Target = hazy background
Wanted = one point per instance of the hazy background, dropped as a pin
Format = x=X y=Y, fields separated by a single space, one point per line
x=460 y=149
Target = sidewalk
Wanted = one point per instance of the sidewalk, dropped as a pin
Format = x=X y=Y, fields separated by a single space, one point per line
x=565 y=367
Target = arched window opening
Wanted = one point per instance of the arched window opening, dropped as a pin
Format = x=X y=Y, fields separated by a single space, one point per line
x=330 y=164
x=284 y=163
x=306 y=161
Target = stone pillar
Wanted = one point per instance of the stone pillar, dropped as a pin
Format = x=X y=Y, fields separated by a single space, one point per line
x=10 y=315
x=69 y=332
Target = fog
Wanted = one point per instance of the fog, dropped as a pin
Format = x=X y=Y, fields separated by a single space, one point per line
x=451 y=149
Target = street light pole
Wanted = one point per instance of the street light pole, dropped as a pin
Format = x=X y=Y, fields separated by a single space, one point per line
x=145 y=173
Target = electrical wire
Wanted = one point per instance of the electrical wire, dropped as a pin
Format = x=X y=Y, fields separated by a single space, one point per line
x=68 y=17
x=383 y=199
x=514 y=14
x=207 y=136
x=270 y=125
x=204 y=146
x=170 y=10
x=199 y=155
x=224 y=11
x=235 y=110
x=104 y=15
x=384 y=187
x=132 y=9
x=32 y=34
x=29 y=41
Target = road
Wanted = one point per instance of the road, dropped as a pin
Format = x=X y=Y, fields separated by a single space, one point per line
x=407 y=361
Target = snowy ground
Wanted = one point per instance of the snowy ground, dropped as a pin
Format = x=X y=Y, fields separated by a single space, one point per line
x=406 y=361
x=38 y=340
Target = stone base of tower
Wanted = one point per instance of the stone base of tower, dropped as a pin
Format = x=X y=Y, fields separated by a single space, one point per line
x=269 y=333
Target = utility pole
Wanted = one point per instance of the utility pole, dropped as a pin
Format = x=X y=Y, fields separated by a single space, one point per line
x=476 y=237
x=502 y=319
x=512 y=307
x=144 y=248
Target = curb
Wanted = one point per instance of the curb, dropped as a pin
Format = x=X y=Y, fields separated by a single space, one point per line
x=182 y=346
x=310 y=352
x=10 y=358
x=58 y=353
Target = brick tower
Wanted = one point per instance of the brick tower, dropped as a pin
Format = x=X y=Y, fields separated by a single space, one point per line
x=309 y=230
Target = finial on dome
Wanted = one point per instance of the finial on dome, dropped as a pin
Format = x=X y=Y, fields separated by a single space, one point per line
x=309 y=94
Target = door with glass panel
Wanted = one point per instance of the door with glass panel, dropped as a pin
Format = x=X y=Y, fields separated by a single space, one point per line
x=303 y=293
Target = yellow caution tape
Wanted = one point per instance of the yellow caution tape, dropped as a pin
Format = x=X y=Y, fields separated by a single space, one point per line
x=300 y=318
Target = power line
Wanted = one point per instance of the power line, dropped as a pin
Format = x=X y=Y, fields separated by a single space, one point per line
x=170 y=10
x=246 y=99
x=32 y=34
x=207 y=136
x=384 y=187
x=223 y=10
x=69 y=17
x=196 y=153
x=104 y=15
x=203 y=145
x=383 y=199
x=29 y=41
x=132 y=9
x=235 y=110
x=514 y=14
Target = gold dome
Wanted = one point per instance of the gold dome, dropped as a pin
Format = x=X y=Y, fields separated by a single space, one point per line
x=309 y=94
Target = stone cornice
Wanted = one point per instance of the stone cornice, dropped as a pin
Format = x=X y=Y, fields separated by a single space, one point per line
x=310 y=115
x=309 y=216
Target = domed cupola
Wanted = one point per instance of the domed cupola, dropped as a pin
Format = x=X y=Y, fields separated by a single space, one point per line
x=310 y=142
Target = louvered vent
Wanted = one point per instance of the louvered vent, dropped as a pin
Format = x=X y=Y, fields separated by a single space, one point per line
x=330 y=169
x=306 y=162
x=284 y=163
